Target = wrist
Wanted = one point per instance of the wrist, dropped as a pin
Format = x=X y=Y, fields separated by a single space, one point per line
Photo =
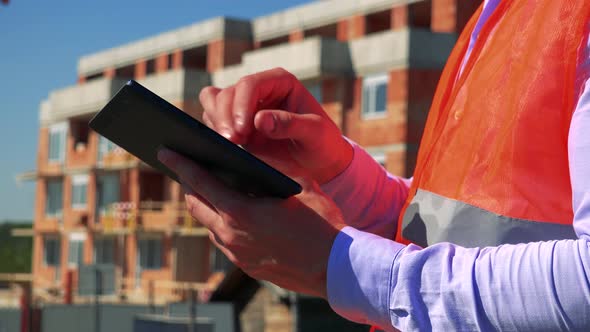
x=344 y=155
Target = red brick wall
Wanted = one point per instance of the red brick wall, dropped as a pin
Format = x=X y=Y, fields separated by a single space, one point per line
x=389 y=129
x=176 y=59
x=452 y=15
x=140 y=69
x=225 y=52
x=162 y=64
x=296 y=36
x=351 y=28
x=109 y=72
x=399 y=17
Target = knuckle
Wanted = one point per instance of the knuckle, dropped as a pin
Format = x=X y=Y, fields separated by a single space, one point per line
x=206 y=93
x=286 y=74
x=225 y=94
x=213 y=238
x=247 y=81
x=247 y=84
x=228 y=238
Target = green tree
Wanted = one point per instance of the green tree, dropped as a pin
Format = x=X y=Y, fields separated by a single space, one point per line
x=15 y=252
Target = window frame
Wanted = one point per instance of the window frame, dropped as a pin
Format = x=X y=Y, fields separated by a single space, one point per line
x=156 y=252
x=61 y=129
x=370 y=85
x=57 y=251
x=105 y=147
x=76 y=257
x=102 y=207
x=48 y=194
x=99 y=250
x=79 y=180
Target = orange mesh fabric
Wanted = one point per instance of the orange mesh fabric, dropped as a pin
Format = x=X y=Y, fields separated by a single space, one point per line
x=496 y=138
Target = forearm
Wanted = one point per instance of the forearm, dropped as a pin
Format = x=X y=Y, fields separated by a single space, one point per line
x=370 y=198
x=535 y=286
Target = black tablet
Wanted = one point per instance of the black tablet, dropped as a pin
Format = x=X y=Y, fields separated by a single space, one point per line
x=141 y=122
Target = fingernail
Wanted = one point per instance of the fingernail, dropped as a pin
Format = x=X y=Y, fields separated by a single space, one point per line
x=164 y=155
x=225 y=133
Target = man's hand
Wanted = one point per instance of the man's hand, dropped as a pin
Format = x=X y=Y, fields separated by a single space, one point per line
x=274 y=116
x=287 y=242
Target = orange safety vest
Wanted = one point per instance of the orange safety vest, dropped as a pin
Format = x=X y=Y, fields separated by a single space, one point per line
x=493 y=162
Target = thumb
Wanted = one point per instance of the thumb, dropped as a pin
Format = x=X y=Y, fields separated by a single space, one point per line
x=278 y=124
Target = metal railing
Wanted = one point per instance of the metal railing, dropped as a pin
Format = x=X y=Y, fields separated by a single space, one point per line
x=129 y=215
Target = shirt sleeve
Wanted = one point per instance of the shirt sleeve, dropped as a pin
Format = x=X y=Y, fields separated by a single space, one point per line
x=369 y=197
x=539 y=286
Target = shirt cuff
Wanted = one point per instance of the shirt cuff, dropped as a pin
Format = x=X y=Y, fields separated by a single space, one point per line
x=359 y=276
x=335 y=185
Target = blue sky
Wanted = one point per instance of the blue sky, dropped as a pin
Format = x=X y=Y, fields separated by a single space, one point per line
x=40 y=43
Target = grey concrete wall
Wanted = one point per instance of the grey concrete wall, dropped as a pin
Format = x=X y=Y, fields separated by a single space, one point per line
x=9 y=319
x=405 y=48
x=316 y=56
x=194 y=35
x=307 y=59
x=91 y=97
x=79 y=99
x=316 y=13
x=222 y=315
x=75 y=318
x=167 y=324
x=177 y=85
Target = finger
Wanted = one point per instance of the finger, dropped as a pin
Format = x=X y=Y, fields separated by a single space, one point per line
x=200 y=209
x=217 y=242
x=257 y=91
x=221 y=114
x=207 y=98
x=222 y=117
x=201 y=182
x=278 y=124
x=207 y=121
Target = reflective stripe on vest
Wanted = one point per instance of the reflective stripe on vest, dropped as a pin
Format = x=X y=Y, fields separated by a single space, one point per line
x=431 y=218
x=494 y=149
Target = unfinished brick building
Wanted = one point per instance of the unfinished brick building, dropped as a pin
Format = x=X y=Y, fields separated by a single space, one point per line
x=372 y=64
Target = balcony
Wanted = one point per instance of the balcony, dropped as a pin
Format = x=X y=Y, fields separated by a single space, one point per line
x=177 y=85
x=126 y=217
x=79 y=100
x=310 y=58
x=416 y=48
x=314 y=14
x=195 y=35
x=117 y=159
